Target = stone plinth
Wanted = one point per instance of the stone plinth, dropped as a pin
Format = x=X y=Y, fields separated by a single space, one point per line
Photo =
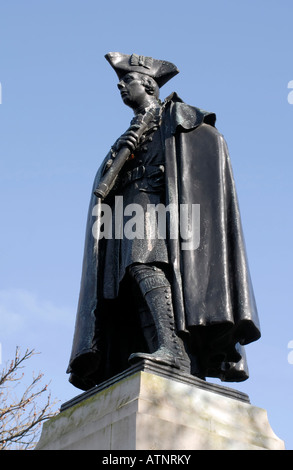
x=146 y=408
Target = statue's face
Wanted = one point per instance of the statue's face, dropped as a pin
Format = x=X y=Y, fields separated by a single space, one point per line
x=132 y=90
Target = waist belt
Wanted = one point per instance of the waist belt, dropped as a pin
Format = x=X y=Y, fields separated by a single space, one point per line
x=142 y=172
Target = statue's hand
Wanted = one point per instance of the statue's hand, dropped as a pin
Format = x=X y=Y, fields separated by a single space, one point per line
x=128 y=139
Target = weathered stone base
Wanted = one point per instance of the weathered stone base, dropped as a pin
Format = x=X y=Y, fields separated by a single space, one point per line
x=146 y=408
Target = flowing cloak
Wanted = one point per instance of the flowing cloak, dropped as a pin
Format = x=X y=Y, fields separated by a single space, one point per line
x=214 y=304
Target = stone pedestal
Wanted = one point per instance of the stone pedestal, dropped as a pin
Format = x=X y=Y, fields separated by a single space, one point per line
x=149 y=408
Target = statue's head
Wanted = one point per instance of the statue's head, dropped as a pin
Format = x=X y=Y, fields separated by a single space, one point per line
x=137 y=89
x=140 y=78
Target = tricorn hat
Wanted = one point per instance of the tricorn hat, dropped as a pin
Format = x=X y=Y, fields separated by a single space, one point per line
x=159 y=70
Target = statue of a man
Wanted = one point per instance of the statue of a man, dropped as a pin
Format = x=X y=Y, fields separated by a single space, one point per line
x=147 y=290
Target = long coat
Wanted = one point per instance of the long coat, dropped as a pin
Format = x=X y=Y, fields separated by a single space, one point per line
x=213 y=298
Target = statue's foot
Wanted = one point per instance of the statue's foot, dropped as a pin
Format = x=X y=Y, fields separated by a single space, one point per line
x=157 y=357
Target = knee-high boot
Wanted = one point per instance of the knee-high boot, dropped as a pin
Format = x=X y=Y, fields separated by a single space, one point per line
x=156 y=290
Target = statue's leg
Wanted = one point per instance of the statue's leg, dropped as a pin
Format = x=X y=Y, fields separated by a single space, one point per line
x=156 y=290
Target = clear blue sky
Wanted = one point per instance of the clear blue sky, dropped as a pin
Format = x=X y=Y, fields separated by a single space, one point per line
x=60 y=113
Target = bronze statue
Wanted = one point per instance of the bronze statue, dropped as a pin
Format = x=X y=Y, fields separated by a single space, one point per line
x=150 y=289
